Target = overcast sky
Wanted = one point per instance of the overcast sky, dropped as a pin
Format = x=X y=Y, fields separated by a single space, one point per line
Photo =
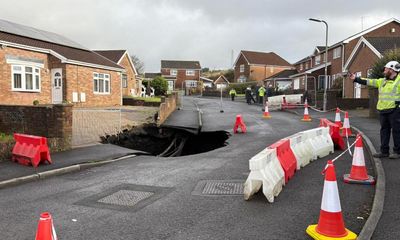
x=203 y=30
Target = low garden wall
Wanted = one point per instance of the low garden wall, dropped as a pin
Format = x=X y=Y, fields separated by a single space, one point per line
x=51 y=121
x=167 y=106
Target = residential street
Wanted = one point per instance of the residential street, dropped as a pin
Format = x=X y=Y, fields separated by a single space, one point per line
x=147 y=197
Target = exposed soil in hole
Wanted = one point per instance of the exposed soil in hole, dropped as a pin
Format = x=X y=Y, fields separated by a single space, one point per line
x=167 y=142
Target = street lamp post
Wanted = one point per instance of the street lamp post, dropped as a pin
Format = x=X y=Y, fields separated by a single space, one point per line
x=326 y=60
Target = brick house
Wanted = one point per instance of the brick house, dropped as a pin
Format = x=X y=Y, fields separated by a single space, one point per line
x=257 y=66
x=367 y=51
x=130 y=82
x=221 y=82
x=44 y=66
x=282 y=80
x=312 y=67
x=180 y=74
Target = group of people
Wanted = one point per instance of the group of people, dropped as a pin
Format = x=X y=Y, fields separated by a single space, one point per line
x=388 y=105
x=262 y=92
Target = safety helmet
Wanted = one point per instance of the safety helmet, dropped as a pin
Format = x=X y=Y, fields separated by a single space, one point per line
x=394 y=65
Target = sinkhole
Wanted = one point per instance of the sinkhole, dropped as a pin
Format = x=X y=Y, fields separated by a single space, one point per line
x=167 y=142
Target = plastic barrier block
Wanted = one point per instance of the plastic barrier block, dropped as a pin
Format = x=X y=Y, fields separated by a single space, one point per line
x=320 y=141
x=301 y=151
x=30 y=150
x=334 y=132
x=286 y=157
x=267 y=172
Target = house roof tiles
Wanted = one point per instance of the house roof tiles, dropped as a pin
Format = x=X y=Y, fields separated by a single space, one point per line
x=68 y=52
x=180 y=64
x=264 y=58
x=113 y=55
x=382 y=44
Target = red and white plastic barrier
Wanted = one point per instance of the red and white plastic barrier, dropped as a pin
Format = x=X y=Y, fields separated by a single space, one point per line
x=319 y=141
x=265 y=171
x=299 y=147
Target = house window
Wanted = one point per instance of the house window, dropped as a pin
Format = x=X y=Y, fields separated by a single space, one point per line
x=189 y=72
x=306 y=65
x=317 y=59
x=242 y=79
x=25 y=78
x=241 y=68
x=191 y=83
x=301 y=66
x=173 y=72
x=337 y=52
x=124 y=81
x=101 y=83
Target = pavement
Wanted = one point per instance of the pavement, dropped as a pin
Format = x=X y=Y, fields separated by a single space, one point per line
x=382 y=223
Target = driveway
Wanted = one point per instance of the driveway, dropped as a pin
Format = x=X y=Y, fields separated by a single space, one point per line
x=89 y=124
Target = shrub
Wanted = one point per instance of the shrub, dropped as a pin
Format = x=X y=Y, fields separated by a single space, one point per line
x=35 y=102
x=160 y=86
x=390 y=55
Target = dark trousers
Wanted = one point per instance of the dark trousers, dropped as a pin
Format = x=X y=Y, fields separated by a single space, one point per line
x=232 y=97
x=390 y=123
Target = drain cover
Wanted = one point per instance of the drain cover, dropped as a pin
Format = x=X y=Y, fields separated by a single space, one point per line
x=125 y=197
x=219 y=187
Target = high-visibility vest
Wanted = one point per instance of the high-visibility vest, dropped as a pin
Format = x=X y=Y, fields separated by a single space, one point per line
x=261 y=91
x=389 y=91
x=232 y=92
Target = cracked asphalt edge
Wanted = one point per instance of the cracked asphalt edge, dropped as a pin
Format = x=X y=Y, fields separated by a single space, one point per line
x=58 y=171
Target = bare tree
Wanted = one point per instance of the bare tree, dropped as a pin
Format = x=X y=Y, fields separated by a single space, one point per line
x=139 y=65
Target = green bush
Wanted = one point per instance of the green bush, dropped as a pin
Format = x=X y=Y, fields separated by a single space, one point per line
x=160 y=86
x=6 y=146
x=390 y=55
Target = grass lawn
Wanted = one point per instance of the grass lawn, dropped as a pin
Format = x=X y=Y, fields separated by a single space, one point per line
x=6 y=138
x=148 y=99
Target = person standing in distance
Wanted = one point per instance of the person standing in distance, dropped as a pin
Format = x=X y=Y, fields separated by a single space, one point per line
x=232 y=92
x=388 y=107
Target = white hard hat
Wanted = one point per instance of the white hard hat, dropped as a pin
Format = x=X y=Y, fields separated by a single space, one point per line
x=394 y=65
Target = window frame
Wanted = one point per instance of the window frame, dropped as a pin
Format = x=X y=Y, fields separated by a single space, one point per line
x=36 y=78
x=318 y=57
x=190 y=72
x=241 y=68
x=337 y=52
x=173 y=72
x=124 y=79
x=103 y=83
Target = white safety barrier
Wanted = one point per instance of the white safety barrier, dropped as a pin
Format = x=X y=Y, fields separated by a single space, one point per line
x=294 y=98
x=319 y=141
x=275 y=100
x=265 y=170
x=301 y=149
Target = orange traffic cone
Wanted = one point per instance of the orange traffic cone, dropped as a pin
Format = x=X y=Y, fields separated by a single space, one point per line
x=330 y=224
x=266 y=112
x=338 y=121
x=239 y=123
x=306 y=117
x=346 y=131
x=358 y=172
x=45 y=230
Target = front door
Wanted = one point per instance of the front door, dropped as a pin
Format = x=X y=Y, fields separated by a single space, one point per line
x=57 y=86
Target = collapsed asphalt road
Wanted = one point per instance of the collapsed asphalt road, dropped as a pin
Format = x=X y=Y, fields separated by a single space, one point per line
x=100 y=200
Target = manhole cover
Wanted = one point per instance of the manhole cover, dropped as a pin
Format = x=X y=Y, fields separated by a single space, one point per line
x=125 y=197
x=219 y=187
